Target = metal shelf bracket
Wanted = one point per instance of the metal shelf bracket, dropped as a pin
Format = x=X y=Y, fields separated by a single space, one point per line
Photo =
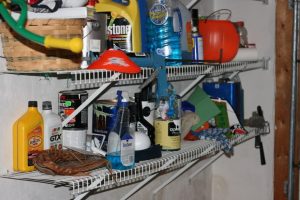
x=211 y=161
x=263 y=1
x=90 y=99
x=178 y=173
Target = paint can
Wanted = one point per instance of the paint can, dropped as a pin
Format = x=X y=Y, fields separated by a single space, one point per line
x=68 y=101
x=104 y=115
x=167 y=134
x=75 y=137
x=104 y=112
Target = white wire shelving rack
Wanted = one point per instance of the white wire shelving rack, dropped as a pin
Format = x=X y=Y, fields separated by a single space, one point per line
x=101 y=179
x=190 y=152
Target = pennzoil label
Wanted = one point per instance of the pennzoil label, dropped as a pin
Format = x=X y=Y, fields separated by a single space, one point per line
x=119 y=31
x=35 y=144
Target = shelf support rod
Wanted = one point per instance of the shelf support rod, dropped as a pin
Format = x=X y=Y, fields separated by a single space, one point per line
x=94 y=184
x=294 y=95
x=90 y=99
x=148 y=179
x=194 y=83
x=191 y=4
x=181 y=171
x=172 y=178
x=211 y=161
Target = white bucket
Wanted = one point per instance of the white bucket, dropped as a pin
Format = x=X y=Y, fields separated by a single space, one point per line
x=74 y=137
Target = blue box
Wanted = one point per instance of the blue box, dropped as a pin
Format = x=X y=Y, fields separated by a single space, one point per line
x=229 y=91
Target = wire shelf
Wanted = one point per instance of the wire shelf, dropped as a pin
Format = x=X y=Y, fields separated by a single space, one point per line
x=94 y=78
x=102 y=179
x=84 y=79
x=186 y=72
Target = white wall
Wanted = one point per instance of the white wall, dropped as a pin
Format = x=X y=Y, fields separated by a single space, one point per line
x=240 y=177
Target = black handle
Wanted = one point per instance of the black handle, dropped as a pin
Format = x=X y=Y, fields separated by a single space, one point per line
x=258 y=143
x=262 y=154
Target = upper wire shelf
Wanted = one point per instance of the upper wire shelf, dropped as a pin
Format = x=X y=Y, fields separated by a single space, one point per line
x=101 y=179
x=94 y=78
x=81 y=79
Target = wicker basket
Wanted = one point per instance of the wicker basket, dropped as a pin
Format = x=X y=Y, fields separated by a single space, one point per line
x=24 y=55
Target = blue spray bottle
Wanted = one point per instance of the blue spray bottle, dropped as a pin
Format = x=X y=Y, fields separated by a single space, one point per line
x=120 y=147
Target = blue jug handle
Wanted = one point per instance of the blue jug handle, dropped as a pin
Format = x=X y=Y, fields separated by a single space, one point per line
x=177 y=11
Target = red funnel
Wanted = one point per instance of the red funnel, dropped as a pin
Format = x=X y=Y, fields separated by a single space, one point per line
x=115 y=60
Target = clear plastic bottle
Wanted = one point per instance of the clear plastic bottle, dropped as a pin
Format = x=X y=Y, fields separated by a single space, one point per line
x=120 y=147
x=52 y=127
x=162 y=39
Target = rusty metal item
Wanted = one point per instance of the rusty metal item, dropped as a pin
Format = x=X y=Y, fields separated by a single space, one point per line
x=68 y=162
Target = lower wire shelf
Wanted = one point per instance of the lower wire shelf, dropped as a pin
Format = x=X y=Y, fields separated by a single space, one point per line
x=102 y=179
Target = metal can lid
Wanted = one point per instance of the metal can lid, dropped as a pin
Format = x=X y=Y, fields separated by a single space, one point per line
x=73 y=92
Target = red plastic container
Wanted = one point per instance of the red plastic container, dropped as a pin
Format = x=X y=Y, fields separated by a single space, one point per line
x=220 y=39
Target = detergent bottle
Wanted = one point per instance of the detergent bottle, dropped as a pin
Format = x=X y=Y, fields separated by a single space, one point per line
x=28 y=138
x=125 y=23
x=163 y=39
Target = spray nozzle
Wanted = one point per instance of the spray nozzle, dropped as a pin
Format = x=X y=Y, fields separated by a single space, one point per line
x=119 y=98
x=122 y=100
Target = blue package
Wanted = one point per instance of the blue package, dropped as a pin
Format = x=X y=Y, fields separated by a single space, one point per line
x=187 y=106
x=229 y=91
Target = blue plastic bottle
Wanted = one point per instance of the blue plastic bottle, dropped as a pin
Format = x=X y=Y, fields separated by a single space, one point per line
x=120 y=148
x=161 y=36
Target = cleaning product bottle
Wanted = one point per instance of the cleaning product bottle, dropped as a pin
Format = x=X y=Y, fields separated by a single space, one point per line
x=162 y=39
x=120 y=147
x=196 y=37
x=52 y=127
x=28 y=138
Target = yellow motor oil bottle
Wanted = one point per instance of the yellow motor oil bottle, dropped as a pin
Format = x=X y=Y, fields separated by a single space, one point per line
x=28 y=137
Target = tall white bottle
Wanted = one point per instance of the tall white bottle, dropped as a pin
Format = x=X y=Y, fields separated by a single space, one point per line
x=52 y=127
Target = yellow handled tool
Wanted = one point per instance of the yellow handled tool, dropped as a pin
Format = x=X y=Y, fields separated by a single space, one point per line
x=75 y=44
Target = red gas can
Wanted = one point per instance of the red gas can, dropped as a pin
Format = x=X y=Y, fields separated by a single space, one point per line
x=220 y=39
